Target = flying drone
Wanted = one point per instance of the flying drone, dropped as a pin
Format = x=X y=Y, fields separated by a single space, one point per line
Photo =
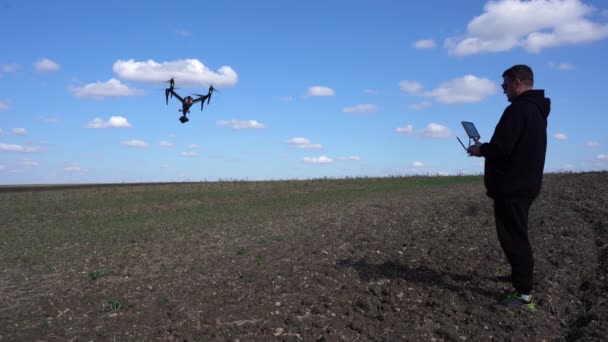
x=187 y=101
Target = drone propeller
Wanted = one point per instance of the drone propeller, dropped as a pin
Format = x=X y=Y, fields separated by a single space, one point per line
x=208 y=95
x=201 y=95
x=171 y=83
x=169 y=91
x=211 y=90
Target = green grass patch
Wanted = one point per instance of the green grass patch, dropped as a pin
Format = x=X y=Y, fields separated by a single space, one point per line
x=37 y=225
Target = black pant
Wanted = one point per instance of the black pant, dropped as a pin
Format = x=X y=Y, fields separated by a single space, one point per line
x=512 y=227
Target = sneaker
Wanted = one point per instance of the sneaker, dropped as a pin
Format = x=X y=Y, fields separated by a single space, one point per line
x=515 y=300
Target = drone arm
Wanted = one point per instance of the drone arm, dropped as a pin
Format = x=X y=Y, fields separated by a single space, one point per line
x=176 y=95
x=201 y=99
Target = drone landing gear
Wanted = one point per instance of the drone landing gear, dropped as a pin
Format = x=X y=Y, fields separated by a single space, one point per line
x=183 y=119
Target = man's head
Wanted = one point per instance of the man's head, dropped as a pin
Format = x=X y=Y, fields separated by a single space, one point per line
x=516 y=80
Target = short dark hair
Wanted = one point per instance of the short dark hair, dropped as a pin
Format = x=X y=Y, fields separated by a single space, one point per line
x=520 y=72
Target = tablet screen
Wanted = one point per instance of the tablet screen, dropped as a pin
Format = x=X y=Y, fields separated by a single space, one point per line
x=469 y=127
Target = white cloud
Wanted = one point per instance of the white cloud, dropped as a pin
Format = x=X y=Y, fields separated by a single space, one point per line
x=184 y=71
x=2 y=167
x=417 y=164
x=362 y=108
x=317 y=91
x=349 y=158
x=48 y=119
x=405 y=129
x=602 y=156
x=411 y=87
x=193 y=146
x=567 y=167
x=370 y=91
x=10 y=68
x=19 y=148
x=4 y=104
x=165 y=144
x=114 y=122
x=562 y=66
x=560 y=136
x=28 y=163
x=421 y=105
x=318 y=160
x=238 y=124
x=467 y=89
x=425 y=44
x=303 y=143
x=19 y=131
x=111 y=88
x=533 y=25
x=75 y=168
x=604 y=13
x=582 y=31
x=593 y=144
x=189 y=154
x=135 y=143
x=45 y=64
x=183 y=33
x=434 y=130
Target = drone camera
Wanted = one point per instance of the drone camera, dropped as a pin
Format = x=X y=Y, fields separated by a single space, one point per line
x=183 y=119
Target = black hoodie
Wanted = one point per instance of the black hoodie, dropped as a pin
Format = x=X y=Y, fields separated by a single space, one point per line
x=515 y=156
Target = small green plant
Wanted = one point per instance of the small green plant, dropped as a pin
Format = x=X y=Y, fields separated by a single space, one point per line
x=114 y=304
x=241 y=251
x=96 y=275
x=259 y=259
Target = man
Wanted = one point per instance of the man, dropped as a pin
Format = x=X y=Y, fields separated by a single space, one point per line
x=514 y=162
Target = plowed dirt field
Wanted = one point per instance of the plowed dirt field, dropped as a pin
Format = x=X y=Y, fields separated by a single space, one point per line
x=411 y=258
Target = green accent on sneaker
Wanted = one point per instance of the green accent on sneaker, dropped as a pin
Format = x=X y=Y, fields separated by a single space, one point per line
x=514 y=300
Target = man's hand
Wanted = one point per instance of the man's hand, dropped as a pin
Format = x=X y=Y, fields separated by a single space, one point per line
x=474 y=149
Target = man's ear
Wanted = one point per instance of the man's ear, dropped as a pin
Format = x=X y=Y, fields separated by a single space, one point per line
x=518 y=83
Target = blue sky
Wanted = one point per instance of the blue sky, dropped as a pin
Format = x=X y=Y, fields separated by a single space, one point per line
x=308 y=89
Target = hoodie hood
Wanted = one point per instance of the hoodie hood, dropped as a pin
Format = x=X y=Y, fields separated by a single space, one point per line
x=537 y=97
